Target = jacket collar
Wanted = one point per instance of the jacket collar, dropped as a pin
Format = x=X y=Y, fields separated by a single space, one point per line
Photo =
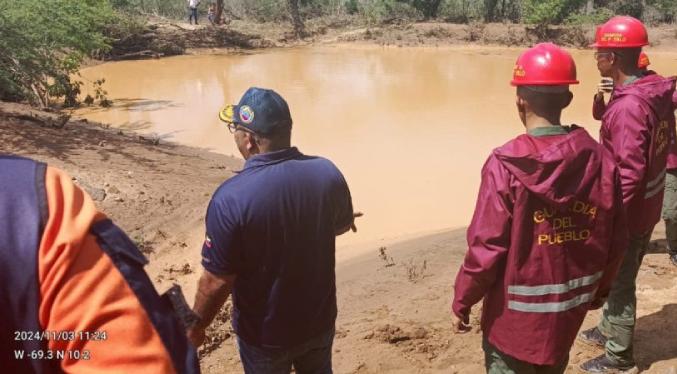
x=549 y=130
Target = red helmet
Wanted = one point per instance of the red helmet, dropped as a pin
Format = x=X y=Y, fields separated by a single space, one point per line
x=544 y=64
x=621 y=32
x=643 y=61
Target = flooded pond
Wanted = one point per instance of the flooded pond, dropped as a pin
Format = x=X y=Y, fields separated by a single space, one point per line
x=409 y=127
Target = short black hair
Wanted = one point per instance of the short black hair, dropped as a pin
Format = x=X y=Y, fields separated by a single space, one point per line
x=544 y=102
x=628 y=56
x=280 y=137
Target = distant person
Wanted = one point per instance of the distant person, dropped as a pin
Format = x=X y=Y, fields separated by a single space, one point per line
x=638 y=129
x=270 y=240
x=548 y=233
x=192 y=8
x=74 y=295
x=211 y=14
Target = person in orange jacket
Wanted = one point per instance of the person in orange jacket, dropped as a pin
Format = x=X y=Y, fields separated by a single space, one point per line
x=74 y=295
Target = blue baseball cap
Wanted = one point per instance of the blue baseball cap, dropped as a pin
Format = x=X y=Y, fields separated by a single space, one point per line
x=260 y=110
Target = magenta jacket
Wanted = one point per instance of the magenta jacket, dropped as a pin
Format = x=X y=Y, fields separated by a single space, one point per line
x=599 y=107
x=546 y=241
x=672 y=155
x=638 y=129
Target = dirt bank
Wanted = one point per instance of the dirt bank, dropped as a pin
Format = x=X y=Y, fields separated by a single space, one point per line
x=393 y=302
x=168 y=37
x=157 y=192
x=162 y=37
x=493 y=34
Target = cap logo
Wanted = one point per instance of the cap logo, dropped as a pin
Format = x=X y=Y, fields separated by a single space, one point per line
x=246 y=114
x=518 y=71
x=614 y=37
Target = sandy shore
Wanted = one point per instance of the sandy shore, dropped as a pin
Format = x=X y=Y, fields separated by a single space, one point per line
x=393 y=304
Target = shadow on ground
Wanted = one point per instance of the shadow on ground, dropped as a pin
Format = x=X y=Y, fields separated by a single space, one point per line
x=656 y=337
x=67 y=143
x=658 y=246
x=136 y=105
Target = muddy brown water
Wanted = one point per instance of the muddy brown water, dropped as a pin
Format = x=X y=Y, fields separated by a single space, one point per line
x=409 y=127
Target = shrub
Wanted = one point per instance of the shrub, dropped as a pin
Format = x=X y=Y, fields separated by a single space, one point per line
x=384 y=10
x=599 y=16
x=44 y=42
x=548 y=12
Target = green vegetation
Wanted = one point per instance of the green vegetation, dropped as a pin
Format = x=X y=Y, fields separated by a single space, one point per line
x=43 y=43
x=525 y=11
x=549 y=11
x=166 y=8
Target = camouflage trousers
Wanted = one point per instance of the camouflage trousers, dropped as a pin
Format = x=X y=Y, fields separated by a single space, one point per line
x=619 y=311
x=497 y=362
x=670 y=210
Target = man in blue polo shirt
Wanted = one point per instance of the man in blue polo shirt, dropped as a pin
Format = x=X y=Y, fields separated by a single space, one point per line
x=271 y=233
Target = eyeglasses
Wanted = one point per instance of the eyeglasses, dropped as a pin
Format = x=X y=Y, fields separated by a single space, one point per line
x=233 y=127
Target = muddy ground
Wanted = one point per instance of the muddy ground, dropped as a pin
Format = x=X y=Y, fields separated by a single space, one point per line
x=393 y=301
x=164 y=37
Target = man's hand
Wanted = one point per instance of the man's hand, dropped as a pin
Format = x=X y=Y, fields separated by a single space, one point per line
x=212 y=292
x=352 y=226
x=460 y=325
x=196 y=336
x=606 y=85
x=355 y=215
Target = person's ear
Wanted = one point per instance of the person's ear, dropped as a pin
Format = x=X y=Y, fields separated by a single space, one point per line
x=250 y=143
x=566 y=100
x=520 y=103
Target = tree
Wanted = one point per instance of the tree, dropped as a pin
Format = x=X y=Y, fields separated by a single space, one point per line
x=589 y=7
x=296 y=21
x=43 y=43
x=490 y=10
x=667 y=9
x=633 y=8
x=428 y=8
x=218 y=17
x=509 y=9
x=548 y=12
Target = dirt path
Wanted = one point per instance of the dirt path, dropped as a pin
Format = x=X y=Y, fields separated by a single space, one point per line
x=393 y=305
